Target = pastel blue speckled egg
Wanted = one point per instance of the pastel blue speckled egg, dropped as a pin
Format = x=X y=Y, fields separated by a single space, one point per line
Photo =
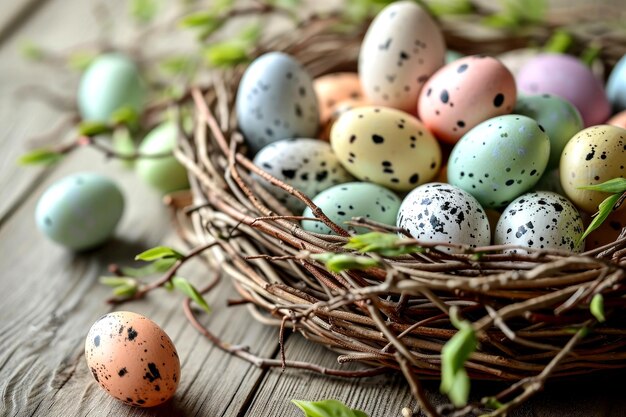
x=353 y=199
x=275 y=101
x=111 y=82
x=616 y=86
x=80 y=211
x=499 y=159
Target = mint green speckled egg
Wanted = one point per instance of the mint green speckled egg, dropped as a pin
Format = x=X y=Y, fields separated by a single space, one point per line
x=165 y=174
x=80 y=211
x=111 y=82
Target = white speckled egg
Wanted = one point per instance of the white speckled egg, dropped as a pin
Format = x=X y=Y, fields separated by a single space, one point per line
x=80 y=211
x=616 y=85
x=308 y=165
x=443 y=213
x=386 y=146
x=540 y=220
x=133 y=359
x=111 y=82
x=499 y=159
x=402 y=48
x=276 y=100
x=593 y=156
x=557 y=116
x=353 y=199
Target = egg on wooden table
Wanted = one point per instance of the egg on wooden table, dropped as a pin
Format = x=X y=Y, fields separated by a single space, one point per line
x=80 y=211
x=335 y=88
x=540 y=220
x=402 y=48
x=464 y=93
x=111 y=82
x=133 y=359
x=353 y=199
x=616 y=85
x=276 y=100
x=309 y=165
x=164 y=173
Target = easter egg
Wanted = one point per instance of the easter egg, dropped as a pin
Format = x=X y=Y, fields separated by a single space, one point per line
x=309 y=165
x=464 y=93
x=111 y=82
x=567 y=77
x=443 y=213
x=618 y=120
x=132 y=359
x=616 y=85
x=540 y=220
x=499 y=159
x=80 y=211
x=593 y=156
x=402 y=48
x=165 y=174
x=560 y=119
x=386 y=146
x=334 y=89
x=276 y=100
x=452 y=56
x=353 y=199
x=608 y=232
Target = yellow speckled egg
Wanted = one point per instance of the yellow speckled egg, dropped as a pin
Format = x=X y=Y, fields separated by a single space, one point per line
x=386 y=146
x=333 y=89
x=593 y=156
x=133 y=359
x=608 y=231
x=618 y=120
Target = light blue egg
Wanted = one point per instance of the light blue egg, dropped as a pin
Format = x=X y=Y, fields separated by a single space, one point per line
x=560 y=119
x=275 y=101
x=616 y=86
x=452 y=56
x=499 y=159
x=80 y=211
x=111 y=82
x=353 y=199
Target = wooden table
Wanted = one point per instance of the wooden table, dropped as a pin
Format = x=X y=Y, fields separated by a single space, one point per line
x=50 y=297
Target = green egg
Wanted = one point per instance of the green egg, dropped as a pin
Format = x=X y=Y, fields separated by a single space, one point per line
x=111 y=82
x=452 y=56
x=165 y=174
x=80 y=211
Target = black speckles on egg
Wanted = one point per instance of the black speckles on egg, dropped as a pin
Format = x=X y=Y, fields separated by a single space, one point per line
x=377 y=139
x=498 y=100
x=96 y=341
x=444 y=96
x=461 y=68
x=132 y=334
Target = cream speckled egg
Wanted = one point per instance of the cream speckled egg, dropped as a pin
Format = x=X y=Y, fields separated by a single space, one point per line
x=333 y=89
x=402 y=48
x=593 y=156
x=386 y=146
x=133 y=359
x=464 y=93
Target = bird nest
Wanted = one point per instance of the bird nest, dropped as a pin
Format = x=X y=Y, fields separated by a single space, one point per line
x=529 y=313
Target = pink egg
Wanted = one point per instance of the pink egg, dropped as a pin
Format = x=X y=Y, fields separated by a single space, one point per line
x=464 y=93
x=618 y=120
x=567 y=77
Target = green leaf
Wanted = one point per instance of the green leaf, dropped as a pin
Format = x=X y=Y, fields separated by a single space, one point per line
x=460 y=389
x=604 y=210
x=156 y=267
x=79 y=61
x=337 y=262
x=123 y=143
x=250 y=34
x=386 y=244
x=117 y=281
x=32 y=51
x=159 y=252
x=597 y=307
x=450 y=7
x=199 y=19
x=226 y=54
x=184 y=286
x=125 y=291
x=126 y=116
x=500 y=21
x=559 y=42
x=454 y=379
x=492 y=402
x=40 y=157
x=143 y=11
x=616 y=185
x=179 y=65
x=327 y=408
x=590 y=54
x=91 y=128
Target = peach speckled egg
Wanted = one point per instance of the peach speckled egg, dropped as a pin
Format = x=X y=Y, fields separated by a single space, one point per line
x=608 y=232
x=133 y=359
x=618 y=120
x=335 y=88
x=464 y=93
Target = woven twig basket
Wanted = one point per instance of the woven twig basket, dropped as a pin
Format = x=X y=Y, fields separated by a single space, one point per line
x=530 y=312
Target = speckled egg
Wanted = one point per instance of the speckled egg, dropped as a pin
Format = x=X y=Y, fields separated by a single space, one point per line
x=402 y=48
x=616 y=85
x=452 y=56
x=80 y=211
x=308 y=165
x=443 y=213
x=386 y=146
x=133 y=359
x=353 y=199
x=111 y=82
x=618 y=120
x=165 y=174
x=567 y=77
x=593 y=156
x=276 y=100
x=608 y=232
x=540 y=220
x=465 y=93
x=499 y=159
x=560 y=119
x=335 y=88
